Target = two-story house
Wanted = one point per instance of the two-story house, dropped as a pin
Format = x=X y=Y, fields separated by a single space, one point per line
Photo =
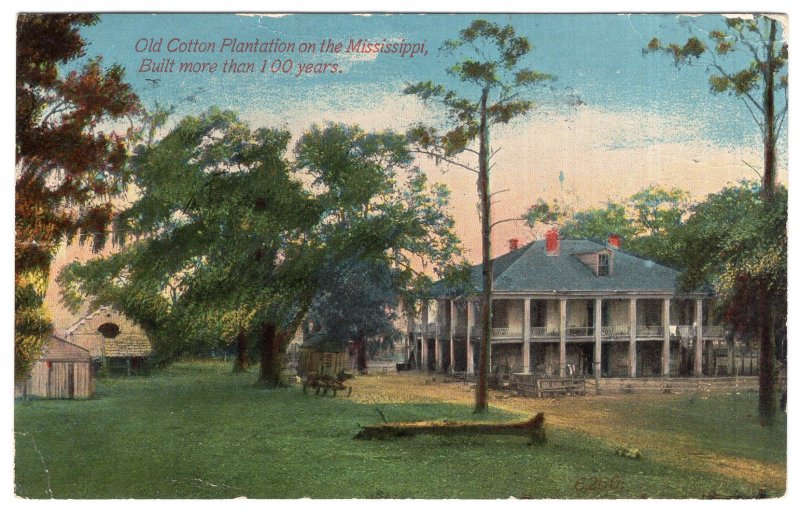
x=574 y=307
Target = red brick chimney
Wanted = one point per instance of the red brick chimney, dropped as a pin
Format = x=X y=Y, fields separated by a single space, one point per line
x=513 y=244
x=551 y=242
x=614 y=241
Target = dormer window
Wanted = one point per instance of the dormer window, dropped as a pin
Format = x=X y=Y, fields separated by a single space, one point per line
x=603 y=264
x=600 y=263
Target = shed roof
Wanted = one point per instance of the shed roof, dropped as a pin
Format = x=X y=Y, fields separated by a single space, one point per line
x=62 y=350
x=531 y=269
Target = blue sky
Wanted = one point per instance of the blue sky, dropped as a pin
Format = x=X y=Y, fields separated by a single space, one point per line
x=597 y=56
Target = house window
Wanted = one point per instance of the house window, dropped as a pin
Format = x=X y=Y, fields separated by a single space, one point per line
x=603 y=264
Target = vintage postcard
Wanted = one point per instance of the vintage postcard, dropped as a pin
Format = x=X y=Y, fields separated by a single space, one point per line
x=401 y=255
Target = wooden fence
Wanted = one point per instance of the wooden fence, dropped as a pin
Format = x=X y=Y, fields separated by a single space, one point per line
x=322 y=363
x=539 y=387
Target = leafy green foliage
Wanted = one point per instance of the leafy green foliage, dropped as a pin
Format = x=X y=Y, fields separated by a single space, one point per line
x=742 y=35
x=228 y=236
x=356 y=301
x=736 y=241
x=377 y=205
x=211 y=241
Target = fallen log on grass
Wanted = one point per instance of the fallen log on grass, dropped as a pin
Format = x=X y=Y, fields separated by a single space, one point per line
x=533 y=428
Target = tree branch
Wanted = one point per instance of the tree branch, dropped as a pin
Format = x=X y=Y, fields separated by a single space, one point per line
x=753 y=168
x=753 y=115
x=515 y=219
x=437 y=156
x=782 y=116
x=746 y=93
x=749 y=44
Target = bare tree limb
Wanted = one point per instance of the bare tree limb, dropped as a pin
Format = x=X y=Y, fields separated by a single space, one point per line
x=753 y=168
x=515 y=219
x=437 y=156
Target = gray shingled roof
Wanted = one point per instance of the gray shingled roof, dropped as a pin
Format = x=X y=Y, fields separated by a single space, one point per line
x=530 y=269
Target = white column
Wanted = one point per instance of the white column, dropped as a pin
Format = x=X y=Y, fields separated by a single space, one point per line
x=437 y=350
x=598 y=337
x=698 y=342
x=470 y=353
x=562 y=339
x=632 y=344
x=665 y=322
x=453 y=318
x=526 y=337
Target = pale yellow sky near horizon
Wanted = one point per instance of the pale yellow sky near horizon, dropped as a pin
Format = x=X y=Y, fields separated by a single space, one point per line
x=603 y=155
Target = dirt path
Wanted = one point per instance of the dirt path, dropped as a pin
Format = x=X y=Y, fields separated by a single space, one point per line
x=582 y=414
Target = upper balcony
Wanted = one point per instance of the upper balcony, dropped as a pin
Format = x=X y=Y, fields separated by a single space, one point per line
x=609 y=333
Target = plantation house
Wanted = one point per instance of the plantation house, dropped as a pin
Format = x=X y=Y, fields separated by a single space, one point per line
x=576 y=307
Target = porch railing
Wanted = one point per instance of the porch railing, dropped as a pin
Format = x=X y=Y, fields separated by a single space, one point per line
x=580 y=331
x=649 y=330
x=497 y=332
x=506 y=332
x=542 y=332
x=690 y=331
x=615 y=330
x=684 y=331
x=714 y=331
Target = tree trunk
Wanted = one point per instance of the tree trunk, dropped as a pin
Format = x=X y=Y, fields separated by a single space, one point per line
x=481 y=401
x=361 y=355
x=271 y=355
x=533 y=428
x=768 y=180
x=242 y=361
x=766 y=359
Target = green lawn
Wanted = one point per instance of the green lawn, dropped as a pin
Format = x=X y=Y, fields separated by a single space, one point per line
x=197 y=431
